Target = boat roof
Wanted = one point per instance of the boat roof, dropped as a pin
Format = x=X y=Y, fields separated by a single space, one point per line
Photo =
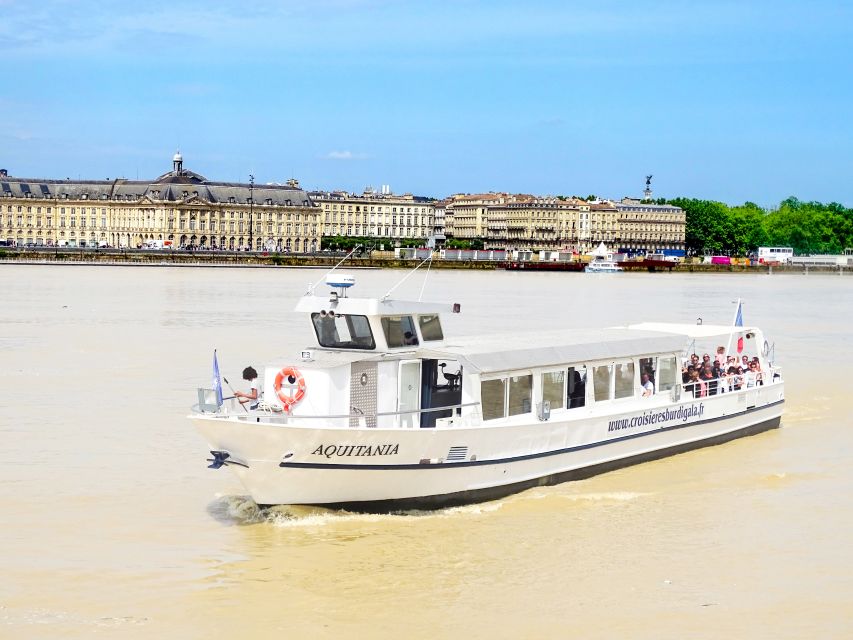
x=330 y=358
x=693 y=330
x=370 y=306
x=514 y=352
x=495 y=353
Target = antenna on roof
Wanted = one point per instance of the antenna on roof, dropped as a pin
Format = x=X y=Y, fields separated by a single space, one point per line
x=311 y=285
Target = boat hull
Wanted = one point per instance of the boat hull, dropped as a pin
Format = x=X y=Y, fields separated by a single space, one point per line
x=389 y=469
x=493 y=493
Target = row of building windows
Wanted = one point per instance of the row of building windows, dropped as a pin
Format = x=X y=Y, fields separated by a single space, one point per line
x=380 y=209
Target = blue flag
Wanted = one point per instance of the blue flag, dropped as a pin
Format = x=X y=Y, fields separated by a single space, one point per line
x=217 y=380
x=739 y=314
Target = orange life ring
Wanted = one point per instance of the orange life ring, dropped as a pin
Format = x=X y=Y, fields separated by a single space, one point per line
x=289 y=387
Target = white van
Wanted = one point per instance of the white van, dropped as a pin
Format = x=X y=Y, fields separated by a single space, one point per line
x=782 y=255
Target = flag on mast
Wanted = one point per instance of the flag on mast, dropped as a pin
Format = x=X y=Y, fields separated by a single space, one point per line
x=739 y=323
x=217 y=380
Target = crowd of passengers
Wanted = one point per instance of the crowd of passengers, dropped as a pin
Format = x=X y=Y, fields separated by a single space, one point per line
x=720 y=374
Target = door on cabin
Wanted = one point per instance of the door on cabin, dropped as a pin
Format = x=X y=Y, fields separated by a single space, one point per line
x=409 y=394
x=362 y=395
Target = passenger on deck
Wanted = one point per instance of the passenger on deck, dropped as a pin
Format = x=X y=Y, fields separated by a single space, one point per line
x=708 y=377
x=253 y=396
x=755 y=365
x=735 y=379
x=696 y=386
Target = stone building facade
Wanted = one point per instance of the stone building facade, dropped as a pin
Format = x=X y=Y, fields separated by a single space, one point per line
x=180 y=207
x=383 y=216
x=527 y=222
x=466 y=214
x=645 y=227
x=519 y=221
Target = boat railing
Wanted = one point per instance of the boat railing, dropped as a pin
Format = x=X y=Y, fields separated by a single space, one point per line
x=732 y=384
x=274 y=413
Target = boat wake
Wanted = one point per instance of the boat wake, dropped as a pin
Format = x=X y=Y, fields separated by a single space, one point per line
x=242 y=510
x=596 y=497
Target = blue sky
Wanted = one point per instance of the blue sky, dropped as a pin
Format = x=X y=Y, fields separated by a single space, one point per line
x=727 y=100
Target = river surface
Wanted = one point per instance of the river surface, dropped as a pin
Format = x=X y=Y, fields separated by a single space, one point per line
x=112 y=526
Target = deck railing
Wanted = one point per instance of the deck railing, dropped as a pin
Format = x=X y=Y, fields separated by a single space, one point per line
x=276 y=414
x=731 y=383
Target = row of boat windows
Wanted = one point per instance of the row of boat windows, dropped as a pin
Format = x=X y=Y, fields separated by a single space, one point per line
x=349 y=331
x=567 y=388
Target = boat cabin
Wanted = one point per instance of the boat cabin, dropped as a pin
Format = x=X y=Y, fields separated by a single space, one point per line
x=383 y=363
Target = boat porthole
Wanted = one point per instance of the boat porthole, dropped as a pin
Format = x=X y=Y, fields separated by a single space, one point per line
x=363 y=379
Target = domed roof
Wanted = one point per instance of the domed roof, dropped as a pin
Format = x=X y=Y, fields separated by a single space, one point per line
x=185 y=177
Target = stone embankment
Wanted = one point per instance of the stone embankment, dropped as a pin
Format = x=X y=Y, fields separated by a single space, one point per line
x=375 y=260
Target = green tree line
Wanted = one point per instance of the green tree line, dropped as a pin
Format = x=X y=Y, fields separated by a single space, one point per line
x=807 y=227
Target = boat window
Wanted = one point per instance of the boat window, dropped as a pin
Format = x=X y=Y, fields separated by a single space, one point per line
x=343 y=331
x=624 y=380
x=667 y=372
x=399 y=331
x=492 y=393
x=647 y=368
x=430 y=327
x=552 y=388
x=601 y=382
x=576 y=388
x=520 y=392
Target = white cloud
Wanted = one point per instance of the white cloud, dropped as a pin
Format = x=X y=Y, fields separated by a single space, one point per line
x=345 y=155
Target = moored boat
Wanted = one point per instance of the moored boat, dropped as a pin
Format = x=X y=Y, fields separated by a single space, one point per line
x=602 y=261
x=386 y=412
x=603 y=266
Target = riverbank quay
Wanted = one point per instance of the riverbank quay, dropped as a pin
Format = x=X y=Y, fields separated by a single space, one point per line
x=370 y=260
x=176 y=258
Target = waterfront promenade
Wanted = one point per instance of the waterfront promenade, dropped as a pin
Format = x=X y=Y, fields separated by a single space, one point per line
x=368 y=259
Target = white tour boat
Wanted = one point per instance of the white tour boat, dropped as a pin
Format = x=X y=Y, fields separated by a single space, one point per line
x=386 y=412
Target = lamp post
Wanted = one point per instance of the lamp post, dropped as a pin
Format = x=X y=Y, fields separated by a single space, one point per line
x=251 y=209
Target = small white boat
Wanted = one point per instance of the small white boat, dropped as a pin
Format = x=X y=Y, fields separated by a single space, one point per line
x=602 y=261
x=386 y=412
x=603 y=266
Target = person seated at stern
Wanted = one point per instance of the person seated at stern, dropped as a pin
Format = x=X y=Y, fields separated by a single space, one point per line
x=253 y=396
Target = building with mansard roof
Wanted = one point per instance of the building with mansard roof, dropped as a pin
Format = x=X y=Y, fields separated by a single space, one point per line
x=179 y=207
